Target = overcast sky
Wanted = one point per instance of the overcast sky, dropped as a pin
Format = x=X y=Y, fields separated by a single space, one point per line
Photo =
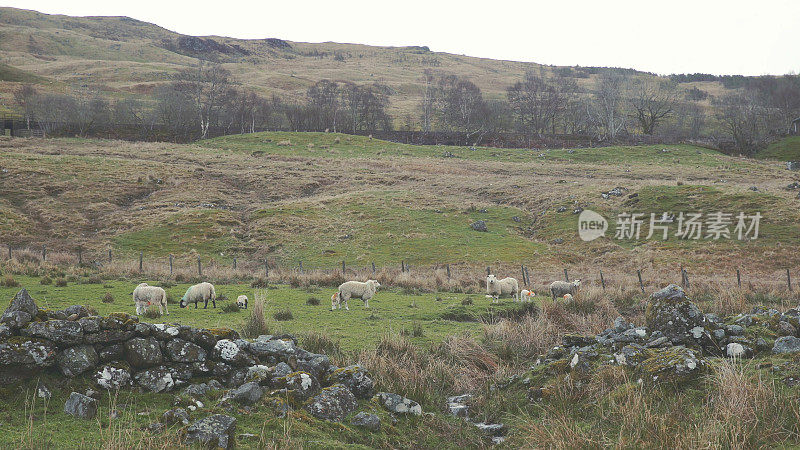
x=677 y=36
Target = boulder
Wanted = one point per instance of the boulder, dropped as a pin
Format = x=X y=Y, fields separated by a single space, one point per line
x=111 y=352
x=333 y=403
x=175 y=415
x=21 y=310
x=232 y=353
x=106 y=337
x=77 y=360
x=63 y=332
x=156 y=379
x=301 y=385
x=215 y=431
x=143 y=352
x=179 y=350
x=355 y=378
x=90 y=324
x=79 y=311
x=281 y=370
x=786 y=344
x=266 y=346
x=81 y=406
x=673 y=364
x=27 y=353
x=248 y=393
x=398 y=404
x=113 y=377
x=671 y=313
x=369 y=421
x=479 y=225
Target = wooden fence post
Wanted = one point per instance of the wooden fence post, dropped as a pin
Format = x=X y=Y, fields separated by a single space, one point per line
x=9 y=251
x=683 y=280
x=344 y=268
x=641 y=285
x=373 y=267
x=566 y=277
x=234 y=263
x=199 y=267
x=170 y=264
x=402 y=266
x=488 y=271
x=602 y=280
x=524 y=280
x=109 y=256
x=686 y=278
x=789 y=280
x=448 y=271
x=300 y=266
x=141 y=257
x=44 y=253
x=528 y=277
x=738 y=279
x=266 y=268
x=80 y=256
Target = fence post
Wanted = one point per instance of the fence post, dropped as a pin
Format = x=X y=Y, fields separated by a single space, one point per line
x=524 y=280
x=199 y=267
x=686 y=278
x=373 y=267
x=141 y=257
x=566 y=277
x=266 y=268
x=448 y=271
x=641 y=285
x=44 y=253
x=170 y=264
x=488 y=271
x=528 y=277
x=9 y=251
x=80 y=256
x=344 y=268
x=738 y=278
x=402 y=266
x=789 y=280
x=602 y=280
x=300 y=266
x=234 y=263
x=683 y=279
x=109 y=256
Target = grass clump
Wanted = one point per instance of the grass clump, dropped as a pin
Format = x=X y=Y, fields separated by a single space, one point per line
x=152 y=313
x=260 y=283
x=108 y=298
x=9 y=281
x=256 y=323
x=284 y=314
x=45 y=281
x=312 y=301
x=317 y=342
x=230 y=307
x=60 y=282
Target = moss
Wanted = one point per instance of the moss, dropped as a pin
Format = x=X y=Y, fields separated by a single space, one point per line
x=222 y=333
x=754 y=332
x=664 y=362
x=125 y=318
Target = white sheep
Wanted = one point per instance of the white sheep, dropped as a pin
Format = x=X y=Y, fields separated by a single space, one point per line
x=202 y=292
x=354 y=289
x=567 y=298
x=559 y=288
x=241 y=301
x=145 y=295
x=527 y=295
x=506 y=286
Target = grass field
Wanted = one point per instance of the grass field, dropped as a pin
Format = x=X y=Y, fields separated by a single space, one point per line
x=786 y=149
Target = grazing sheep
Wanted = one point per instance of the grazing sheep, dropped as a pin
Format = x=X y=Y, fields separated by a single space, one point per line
x=559 y=288
x=567 y=298
x=145 y=295
x=284 y=143
x=506 y=286
x=241 y=301
x=527 y=295
x=354 y=289
x=202 y=292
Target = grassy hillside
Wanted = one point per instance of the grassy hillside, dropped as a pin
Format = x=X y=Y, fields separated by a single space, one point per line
x=786 y=149
x=365 y=200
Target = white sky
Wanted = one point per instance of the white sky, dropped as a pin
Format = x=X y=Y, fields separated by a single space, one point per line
x=677 y=36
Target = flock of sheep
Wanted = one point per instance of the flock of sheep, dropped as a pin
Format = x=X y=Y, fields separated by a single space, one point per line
x=145 y=296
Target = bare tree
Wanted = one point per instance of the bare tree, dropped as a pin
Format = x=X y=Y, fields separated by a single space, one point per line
x=428 y=100
x=745 y=120
x=25 y=97
x=538 y=102
x=460 y=104
x=652 y=102
x=208 y=85
x=606 y=109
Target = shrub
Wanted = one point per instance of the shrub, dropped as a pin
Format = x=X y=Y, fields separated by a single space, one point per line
x=60 y=282
x=91 y=309
x=284 y=314
x=260 y=282
x=94 y=279
x=166 y=284
x=9 y=281
x=416 y=329
x=181 y=278
x=108 y=298
x=72 y=278
x=171 y=298
x=256 y=325
x=312 y=301
x=230 y=307
x=467 y=301
x=46 y=280
x=317 y=342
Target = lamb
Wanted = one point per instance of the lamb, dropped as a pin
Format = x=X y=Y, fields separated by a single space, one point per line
x=241 y=301
x=559 y=288
x=284 y=143
x=527 y=295
x=506 y=286
x=145 y=295
x=354 y=289
x=567 y=298
x=202 y=292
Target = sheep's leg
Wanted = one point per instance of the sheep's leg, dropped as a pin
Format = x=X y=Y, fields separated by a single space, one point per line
x=346 y=305
x=166 y=308
x=366 y=303
x=214 y=302
x=195 y=304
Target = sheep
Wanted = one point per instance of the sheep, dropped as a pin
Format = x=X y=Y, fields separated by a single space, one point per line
x=527 y=295
x=284 y=143
x=241 y=301
x=559 y=288
x=567 y=298
x=145 y=295
x=197 y=293
x=354 y=289
x=506 y=286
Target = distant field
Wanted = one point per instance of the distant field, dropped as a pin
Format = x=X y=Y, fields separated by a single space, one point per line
x=786 y=149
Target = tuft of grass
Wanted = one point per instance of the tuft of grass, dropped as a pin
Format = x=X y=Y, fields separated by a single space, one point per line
x=284 y=314
x=312 y=301
x=45 y=281
x=317 y=342
x=260 y=283
x=230 y=307
x=256 y=323
x=8 y=281
x=108 y=298
x=94 y=279
x=152 y=313
x=467 y=301
x=60 y=282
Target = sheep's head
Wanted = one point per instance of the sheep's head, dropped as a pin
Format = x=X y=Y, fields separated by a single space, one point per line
x=577 y=283
x=183 y=302
x=374 y=284
x=491 y=279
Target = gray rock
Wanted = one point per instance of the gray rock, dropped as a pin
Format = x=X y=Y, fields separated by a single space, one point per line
x=737 y=350
x=113 y=377
x=42 y=391
x=63 y=332
x=113 y=352
x=479 y=225
x=356 y=378
x=21 y=303
x=332 y=403
x=90 y=324
x=156 y=379
x=16 y=319
x=27 y=353
x=369 y=421
x=81 y=406
x=79 y=311
x=786 y=344
x=77 y=360
x=457 y=405
x=106 y=337
x=248 y=393
x=179 y=350
x=734 y=330
x=213 y=431
x=175 y=415
x=719 y=334
x=301 y=384
x=282 y=369
x=398 y=404
x=786 y=329
x=673 y=292
x=232 y=353
x=792 y=165
x=620 y=325
x=670 y=312
x=662 y=341
x=143 y=352
x=266 y=346
x=492 y=429
x=156 y=428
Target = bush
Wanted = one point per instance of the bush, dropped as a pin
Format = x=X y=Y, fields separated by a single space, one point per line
x=284 y=314
x=60 y=282
x=94 y=279
x=108 y=298
x=166 y=284
x=230 y=307
x=467 y=301
x=152 y=313
x=46 y=280
x=312 y=301
x=256 y=325
x=260 y=283
x=9 y=281
x=316 y=342
x=416 y=329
